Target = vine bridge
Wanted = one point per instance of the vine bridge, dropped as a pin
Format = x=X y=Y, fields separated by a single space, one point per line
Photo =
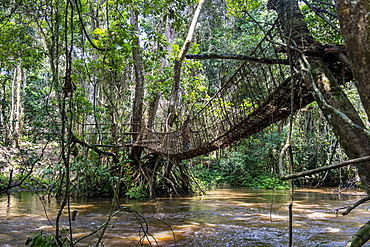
x=256 y=95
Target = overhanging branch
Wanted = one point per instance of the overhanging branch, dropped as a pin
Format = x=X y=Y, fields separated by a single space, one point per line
x=349 y=209
x=325 y=168
x=237 y=57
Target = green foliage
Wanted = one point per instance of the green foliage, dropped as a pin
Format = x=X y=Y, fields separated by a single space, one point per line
x=17 y=45
x=238 y=170
x=136 y=192
x=314 y=144
x=235 y=6
x=40 y=110
x=250 y=164
x=268 y=182
x=40 y=240
x=131 y=188
x=44 y=240
x=318 y=27
x=31 y=182
x=253 y=162
x=91 y=176
x=3 y=180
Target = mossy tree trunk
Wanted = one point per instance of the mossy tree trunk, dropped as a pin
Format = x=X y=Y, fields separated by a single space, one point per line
x=354 y=18
x=338 y=110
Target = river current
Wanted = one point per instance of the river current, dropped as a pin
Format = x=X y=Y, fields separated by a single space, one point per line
x=222 y=217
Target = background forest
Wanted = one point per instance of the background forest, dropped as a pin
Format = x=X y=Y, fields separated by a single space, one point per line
x=78 y=79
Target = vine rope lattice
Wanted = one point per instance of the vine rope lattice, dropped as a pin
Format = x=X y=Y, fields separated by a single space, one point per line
x=255 y=96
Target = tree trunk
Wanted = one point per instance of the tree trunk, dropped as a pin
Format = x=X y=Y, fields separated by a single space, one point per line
x=354 y=18
x=338 y=110
x=349 y=132
x=169 y=34
x=174 y=96
x=137 y=112
x=4 y=114
x=153 y=108
x=16 y=107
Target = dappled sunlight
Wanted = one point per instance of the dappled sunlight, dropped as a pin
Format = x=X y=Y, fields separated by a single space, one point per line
x=273 y=217
x=189 y=226
x=244 y=204
x=46 y=228
x=332 y=230
x=320 y=215
x=333 y=191
x=303 y=204
x=227 y=217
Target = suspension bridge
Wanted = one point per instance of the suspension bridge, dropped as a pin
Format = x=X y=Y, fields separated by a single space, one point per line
x=257 y=95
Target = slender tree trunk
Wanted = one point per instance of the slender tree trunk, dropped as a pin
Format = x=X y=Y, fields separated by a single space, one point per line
x=174 y=96
x=12 y=107
x=153 y=108
x=338 y=110
x=5 y=123
x=169 y=34
x=16 y=108
x=137 y=112
x=19 y=105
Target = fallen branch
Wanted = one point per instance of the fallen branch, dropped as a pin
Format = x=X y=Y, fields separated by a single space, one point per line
x=349 y=209
x=325 y=168
x=237 y=57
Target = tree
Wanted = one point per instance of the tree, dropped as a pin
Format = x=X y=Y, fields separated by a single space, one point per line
x=18 y=57
x=354 y=20
x=319 y=76
x=174 y=96
x=137 y=112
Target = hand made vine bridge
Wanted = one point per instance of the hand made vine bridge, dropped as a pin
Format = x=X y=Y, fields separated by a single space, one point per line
x=256 y=95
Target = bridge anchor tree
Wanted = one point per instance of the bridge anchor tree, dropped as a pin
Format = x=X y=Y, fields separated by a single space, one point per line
x=347 y=125
x=319 y=76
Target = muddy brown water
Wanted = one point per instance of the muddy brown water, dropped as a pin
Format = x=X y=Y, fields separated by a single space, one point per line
x=223 y=217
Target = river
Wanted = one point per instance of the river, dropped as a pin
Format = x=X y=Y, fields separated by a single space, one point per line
x=222 y=217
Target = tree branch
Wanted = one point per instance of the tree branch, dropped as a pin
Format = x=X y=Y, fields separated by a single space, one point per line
x=10 y=186
x=317 y=11
x=237 y=57
x=94 y=147
x=325 y=168
x=349 y=209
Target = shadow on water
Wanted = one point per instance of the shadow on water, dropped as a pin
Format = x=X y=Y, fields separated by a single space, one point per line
x=223 y=217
